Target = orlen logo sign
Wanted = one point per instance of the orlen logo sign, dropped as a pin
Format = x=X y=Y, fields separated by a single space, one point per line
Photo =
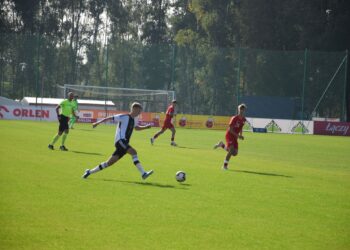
x=3 y=108
x=331 y=128
x=13 y=112
x=37 y=113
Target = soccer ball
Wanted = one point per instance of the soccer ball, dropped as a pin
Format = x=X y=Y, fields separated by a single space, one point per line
x=180 y=176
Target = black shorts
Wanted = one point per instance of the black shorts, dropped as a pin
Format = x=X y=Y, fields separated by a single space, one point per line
x=63 y=123
x=121 y=147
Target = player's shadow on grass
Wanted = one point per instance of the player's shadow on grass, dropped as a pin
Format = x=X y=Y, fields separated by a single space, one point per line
x=85 y=129
x=178 y=147
x=85 y=153
x=260 y=173
x=151 y=184
x=186 y=147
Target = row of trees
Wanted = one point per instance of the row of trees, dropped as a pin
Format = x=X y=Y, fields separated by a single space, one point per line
x=194 y=47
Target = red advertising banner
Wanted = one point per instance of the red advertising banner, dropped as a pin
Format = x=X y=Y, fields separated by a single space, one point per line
x=332 y=128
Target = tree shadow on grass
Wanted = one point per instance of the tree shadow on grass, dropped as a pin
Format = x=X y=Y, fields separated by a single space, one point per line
x=86 y=153
x=155 y=145
x=150 y=184
x=260 y=173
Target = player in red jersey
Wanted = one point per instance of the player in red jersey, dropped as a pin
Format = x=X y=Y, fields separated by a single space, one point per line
x=233 y=133
x=168 y=124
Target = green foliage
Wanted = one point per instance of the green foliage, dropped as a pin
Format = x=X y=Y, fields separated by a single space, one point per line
x=281 y=192
x=186 y=37
x=211 y=51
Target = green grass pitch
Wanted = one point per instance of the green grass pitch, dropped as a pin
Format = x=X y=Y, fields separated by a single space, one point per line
x=281 y=192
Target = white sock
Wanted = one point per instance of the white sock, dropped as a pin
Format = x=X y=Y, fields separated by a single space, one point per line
x=138 y=164
x=140 y=168
x=99 y=167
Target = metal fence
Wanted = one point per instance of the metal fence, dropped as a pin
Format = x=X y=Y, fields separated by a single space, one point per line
x=207 y=80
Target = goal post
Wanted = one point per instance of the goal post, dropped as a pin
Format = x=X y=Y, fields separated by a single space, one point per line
x=121 y=98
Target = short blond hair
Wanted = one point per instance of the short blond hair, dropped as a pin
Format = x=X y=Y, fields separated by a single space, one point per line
x=136 y=105
x=240 y=106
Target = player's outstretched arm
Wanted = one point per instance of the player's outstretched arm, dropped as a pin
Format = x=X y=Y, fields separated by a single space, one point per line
x=95 y=124
x=143 y=127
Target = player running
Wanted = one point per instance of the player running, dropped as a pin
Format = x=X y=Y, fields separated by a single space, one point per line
x=64 y=110
x=233 y=133
x=126 y=124
x=72 y=119
x=168 y=124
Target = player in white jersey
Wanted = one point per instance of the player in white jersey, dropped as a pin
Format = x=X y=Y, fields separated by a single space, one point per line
x=126 y=124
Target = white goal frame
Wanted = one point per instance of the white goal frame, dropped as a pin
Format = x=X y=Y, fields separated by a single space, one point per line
x=109 y=93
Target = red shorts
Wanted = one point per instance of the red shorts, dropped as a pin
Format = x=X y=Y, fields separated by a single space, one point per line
x=167 y=124
x=231 y=141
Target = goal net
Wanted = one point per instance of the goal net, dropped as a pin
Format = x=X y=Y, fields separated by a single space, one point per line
x=120 y=98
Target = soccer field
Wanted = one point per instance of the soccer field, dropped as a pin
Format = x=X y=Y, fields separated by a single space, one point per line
x=281 y=192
